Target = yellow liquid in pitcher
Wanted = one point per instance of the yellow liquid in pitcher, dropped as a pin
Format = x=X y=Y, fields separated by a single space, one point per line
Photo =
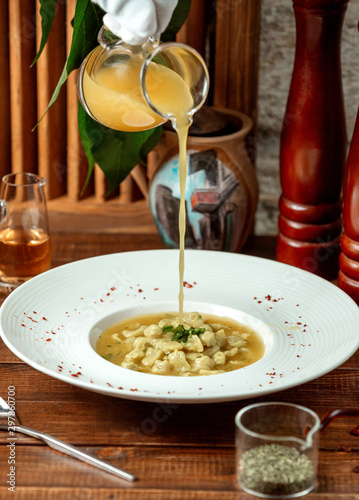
x=114 y=98
x=113 y=95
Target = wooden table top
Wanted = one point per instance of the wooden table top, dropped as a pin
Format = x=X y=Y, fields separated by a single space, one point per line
x=176 y=451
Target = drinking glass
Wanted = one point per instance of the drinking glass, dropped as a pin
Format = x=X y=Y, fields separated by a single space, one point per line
x=277 y=449
x=24 y=235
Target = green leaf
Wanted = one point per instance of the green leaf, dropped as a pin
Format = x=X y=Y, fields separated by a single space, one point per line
x=86 y=142
x=119 y=152
x=47 y=13
x=150 y=142
x=87 y=22
x=115 y=152
x=178 y=18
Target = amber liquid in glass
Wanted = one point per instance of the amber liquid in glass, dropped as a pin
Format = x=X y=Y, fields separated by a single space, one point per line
x=23 y=254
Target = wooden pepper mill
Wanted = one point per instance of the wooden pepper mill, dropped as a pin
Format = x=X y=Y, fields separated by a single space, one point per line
x=313 y=142
x=348 y=278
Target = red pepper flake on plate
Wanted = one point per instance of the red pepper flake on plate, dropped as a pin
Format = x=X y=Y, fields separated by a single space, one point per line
x=33 y=320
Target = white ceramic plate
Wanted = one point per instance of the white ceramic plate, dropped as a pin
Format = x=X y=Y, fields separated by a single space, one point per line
x=309 y=326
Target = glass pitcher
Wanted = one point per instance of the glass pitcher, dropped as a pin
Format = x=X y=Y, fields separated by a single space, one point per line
x=24 y=234
x=132 y=88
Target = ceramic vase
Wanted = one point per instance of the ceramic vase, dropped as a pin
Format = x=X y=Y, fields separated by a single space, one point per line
x=221 y=191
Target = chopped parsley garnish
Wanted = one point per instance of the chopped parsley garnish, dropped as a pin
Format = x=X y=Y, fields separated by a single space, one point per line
x=168 y=328
x=180 y=334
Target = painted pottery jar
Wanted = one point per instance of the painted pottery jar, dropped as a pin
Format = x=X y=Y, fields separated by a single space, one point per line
x=222 y=189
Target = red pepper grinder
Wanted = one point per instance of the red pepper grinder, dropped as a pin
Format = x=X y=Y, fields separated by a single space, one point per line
x=313 y=143
x=348 y=278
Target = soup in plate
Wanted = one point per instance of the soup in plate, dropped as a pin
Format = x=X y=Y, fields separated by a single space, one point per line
x=161 y=344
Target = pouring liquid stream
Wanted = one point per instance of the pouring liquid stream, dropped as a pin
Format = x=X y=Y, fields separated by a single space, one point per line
x=177 y=103
x=182 y=131
x=113 y=97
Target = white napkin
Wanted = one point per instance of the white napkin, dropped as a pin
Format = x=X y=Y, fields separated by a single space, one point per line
x=135 y=20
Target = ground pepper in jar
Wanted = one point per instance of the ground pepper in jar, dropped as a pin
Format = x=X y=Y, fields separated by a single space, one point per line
x=275 y=469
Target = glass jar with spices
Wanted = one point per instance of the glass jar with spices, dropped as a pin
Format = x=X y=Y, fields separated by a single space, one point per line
x=277 y=449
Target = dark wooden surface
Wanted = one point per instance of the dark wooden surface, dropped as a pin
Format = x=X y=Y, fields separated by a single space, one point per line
x=188 y=450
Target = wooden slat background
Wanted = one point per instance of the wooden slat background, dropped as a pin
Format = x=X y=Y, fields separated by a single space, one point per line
x=52 y=140
x=237 y=56
x=5 y=139
x=227 y=35
x=23 y=88
x=76 y=158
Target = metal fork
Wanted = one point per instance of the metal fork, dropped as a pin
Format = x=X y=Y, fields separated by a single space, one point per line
x=9 y=422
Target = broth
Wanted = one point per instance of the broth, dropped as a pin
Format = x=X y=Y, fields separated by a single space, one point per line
x=210 y=344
